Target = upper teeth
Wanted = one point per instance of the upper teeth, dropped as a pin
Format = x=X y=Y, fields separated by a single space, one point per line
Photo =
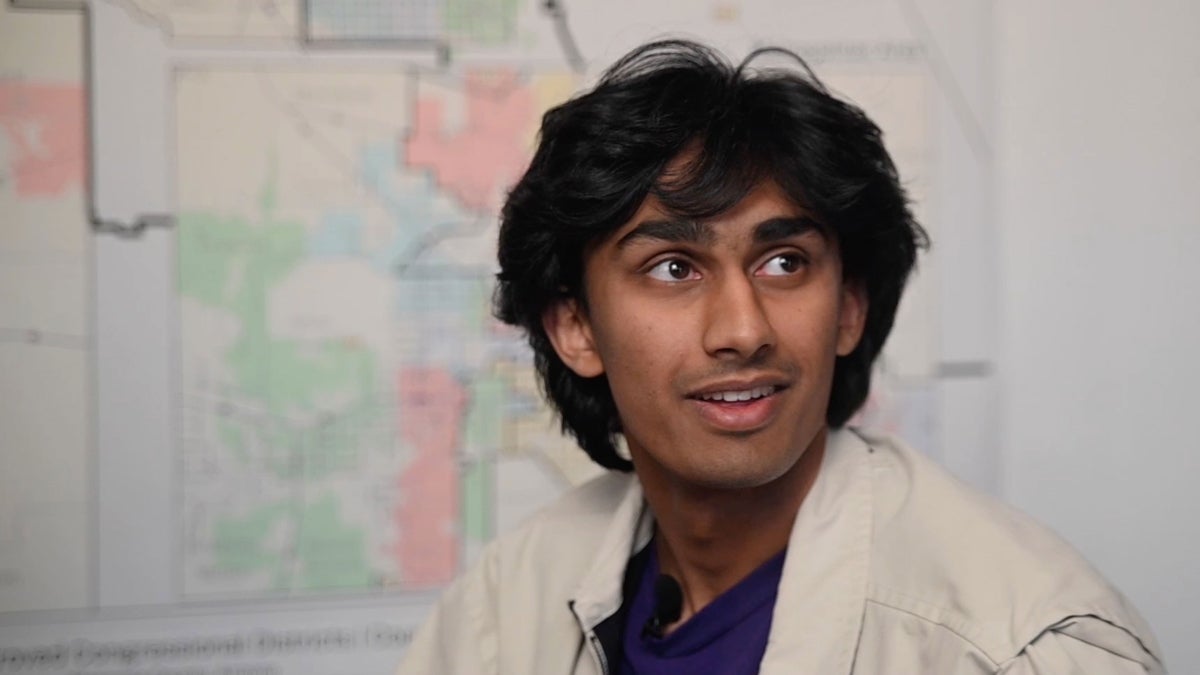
x=743 y=395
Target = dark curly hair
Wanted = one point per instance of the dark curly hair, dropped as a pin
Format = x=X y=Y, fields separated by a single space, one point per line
x=603 y=152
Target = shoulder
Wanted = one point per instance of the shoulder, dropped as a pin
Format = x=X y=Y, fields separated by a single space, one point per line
x=545 y=560
x=529 y=573
x=948 y=555
x=559 y=540
x=573 y=521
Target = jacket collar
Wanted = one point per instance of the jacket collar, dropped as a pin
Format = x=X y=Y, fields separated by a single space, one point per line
x=600 y=593
x=819 y=608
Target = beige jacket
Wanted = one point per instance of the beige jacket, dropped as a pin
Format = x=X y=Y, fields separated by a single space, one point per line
x=894 y=567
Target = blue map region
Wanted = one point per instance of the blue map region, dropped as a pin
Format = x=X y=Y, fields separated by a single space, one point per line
x=451 y=300
x=453 y=315
x=374 y=19
x=412 y=204
x=340 y=234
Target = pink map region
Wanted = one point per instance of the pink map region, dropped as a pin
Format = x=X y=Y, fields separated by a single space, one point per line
x=482 y=158
x=426 y=516
x=44 y=123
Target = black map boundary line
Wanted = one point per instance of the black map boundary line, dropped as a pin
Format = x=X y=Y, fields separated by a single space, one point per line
x=566 y=38
x=140 y=224
x=98 y=223
x=553 y=8
x=91 y=605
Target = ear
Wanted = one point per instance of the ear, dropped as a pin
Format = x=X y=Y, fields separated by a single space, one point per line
x=852 y=317
x=570 y=332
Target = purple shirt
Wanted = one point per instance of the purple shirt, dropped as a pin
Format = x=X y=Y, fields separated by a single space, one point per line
x=728 y=636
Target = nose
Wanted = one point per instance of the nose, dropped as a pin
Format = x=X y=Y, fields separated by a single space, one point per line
x=737 y=323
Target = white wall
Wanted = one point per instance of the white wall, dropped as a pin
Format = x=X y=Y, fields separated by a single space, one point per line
x=1098 y=149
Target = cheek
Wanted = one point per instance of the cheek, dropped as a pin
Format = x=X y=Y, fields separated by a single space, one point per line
x=629 y=350
x=809 y=343
x=640 y=359
x=810 y=326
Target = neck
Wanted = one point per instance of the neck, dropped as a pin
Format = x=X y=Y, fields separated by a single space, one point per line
x=709 y=539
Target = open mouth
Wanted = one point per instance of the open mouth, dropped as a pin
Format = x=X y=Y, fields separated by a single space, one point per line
x=738 y=396
x=739 y=410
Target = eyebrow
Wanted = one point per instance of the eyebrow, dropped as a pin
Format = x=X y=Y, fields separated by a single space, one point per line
x=697 y=232
x=775 y=229
x=690 y=231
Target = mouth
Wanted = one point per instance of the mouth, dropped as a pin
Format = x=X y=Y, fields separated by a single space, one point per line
x=738 y=395
x=738 y=408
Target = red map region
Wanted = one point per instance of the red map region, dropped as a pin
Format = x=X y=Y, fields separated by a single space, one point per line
x=426 y=515
x=475 y=162
x=44 y=123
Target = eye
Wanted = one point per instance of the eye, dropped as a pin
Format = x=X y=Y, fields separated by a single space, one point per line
x=782 y=265
x=672 y=270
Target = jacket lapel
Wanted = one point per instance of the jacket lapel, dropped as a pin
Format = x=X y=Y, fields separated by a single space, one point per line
x=819 y=609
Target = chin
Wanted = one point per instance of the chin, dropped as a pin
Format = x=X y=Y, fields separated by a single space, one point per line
x=739 y=476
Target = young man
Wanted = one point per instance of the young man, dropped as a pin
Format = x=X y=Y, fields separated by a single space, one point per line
x=707 y=260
